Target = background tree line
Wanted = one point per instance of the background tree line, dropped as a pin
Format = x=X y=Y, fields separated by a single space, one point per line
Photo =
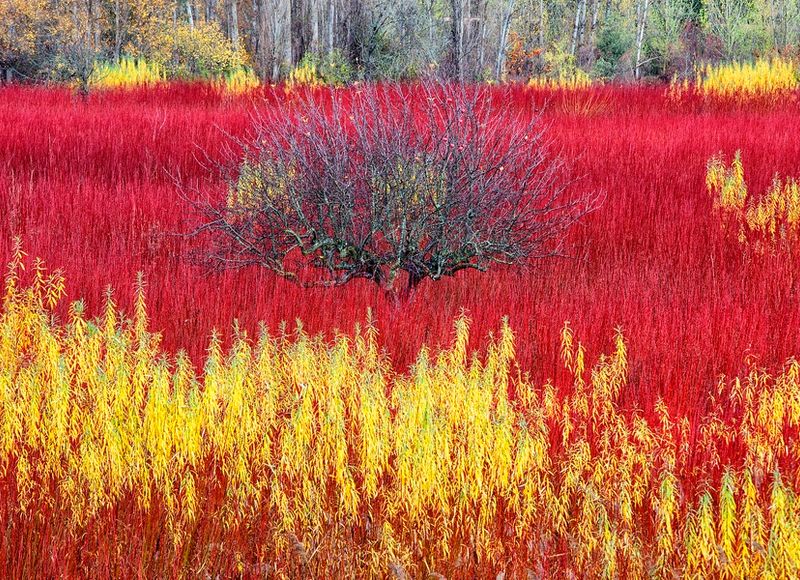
x=392 y=39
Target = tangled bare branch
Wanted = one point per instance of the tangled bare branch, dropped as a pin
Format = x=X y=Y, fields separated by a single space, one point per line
x=386 y=182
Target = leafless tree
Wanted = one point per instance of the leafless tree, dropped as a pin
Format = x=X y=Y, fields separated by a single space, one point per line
x=390 y=184
x=76 y=64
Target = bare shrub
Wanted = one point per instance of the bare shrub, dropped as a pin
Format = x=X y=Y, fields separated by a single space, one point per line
x=390 y=183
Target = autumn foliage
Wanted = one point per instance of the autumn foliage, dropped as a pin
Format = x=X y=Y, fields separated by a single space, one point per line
x=471 y=433
x=302 y=456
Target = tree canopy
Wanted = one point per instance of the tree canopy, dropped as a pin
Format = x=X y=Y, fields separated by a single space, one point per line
x=374 y=39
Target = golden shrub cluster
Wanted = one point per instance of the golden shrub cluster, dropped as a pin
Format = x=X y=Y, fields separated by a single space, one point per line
x=330 y=464
x=762 y=80
x=127 y=73
x=304 y=74
x=763 y=77
x=240 y=80
x=572 y=79
x=766 y=221
x=131 y=73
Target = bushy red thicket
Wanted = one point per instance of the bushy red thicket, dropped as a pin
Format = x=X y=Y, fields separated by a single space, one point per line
x=89 y=186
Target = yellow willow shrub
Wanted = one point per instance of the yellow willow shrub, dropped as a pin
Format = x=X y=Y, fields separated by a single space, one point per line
x=127 y=73
x=765 y=80
x=316 y=70
x=765 y=221
x=678 y=89
x=726 y=183
x=238 y=81
x=314 y=458
x=137 y=72
x=571 y=79
x=304 y=74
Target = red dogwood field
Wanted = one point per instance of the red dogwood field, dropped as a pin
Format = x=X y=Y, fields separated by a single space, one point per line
x=90 y=186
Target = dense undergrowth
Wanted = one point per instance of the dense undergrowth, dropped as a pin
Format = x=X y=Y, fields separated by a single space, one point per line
x=362 y=451
x=296 y=456
x=89 y=185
